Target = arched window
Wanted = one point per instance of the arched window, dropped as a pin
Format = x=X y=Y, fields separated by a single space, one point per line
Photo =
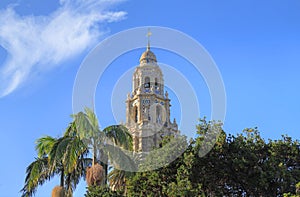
x=147 y=82
x=156 y=84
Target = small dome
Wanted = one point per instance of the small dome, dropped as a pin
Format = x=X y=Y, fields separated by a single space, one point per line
x=148 y=56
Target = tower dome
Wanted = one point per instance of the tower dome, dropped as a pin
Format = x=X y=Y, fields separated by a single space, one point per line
x=148 y=56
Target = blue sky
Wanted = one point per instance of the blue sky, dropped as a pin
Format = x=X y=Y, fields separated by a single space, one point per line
x=256 y=45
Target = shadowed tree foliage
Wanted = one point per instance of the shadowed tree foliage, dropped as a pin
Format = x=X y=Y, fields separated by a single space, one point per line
x=241 y=165
x=102 y=191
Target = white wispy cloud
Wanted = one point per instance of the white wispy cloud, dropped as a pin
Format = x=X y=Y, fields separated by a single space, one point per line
x=38 y=43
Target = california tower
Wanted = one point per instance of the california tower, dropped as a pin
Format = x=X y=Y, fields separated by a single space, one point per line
x=148 y=105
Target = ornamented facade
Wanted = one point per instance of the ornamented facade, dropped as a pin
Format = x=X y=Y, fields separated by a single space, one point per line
x=148 y=105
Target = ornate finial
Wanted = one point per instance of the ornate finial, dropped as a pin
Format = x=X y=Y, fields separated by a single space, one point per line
x=149 y=33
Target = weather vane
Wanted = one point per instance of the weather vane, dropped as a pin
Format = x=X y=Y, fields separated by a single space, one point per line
x=149 y=33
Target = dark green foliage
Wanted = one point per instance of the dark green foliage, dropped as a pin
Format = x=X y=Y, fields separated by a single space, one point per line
x=100 y=191
x=241 y=165
x=294 y=194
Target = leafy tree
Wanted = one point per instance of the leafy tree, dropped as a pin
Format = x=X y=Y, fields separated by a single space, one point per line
x=157 y=182
x=237 y=165
x=293 y=194
x=101 y=191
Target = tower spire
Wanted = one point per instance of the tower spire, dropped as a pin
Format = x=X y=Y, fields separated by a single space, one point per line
x=149 y=33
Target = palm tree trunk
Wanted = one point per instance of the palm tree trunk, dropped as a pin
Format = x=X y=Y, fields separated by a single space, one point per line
x=104 y=163
x=62 y=182
x=105 y=166
x=94 y=153
x=69 y=186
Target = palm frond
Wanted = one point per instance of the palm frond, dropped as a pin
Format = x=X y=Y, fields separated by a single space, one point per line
x=44 y=145
x=75 y=149
x=57 y=153
x=120 y=158
x=87 y=124
x=120 y=136
x=36 y=174
x=71 y=130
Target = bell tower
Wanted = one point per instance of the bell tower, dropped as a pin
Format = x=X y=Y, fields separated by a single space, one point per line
x=148 y=105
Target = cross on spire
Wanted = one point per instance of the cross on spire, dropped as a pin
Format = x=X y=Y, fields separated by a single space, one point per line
x=149 y=33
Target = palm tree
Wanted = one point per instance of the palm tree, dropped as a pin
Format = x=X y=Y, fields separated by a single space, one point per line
x=100 y=141
x=64 y=156
x=38 y=171
x=67 y=156
x=117 y=178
